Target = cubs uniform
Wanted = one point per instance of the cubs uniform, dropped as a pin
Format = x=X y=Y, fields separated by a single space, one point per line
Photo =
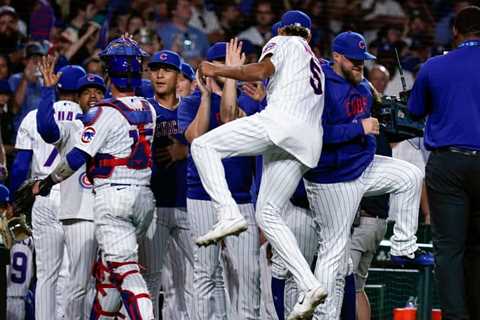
x=48 y=234
x=76 y=205
x=168 y=184
x=118 y=135
x=294 y=108
x=19 y=276
x=239 y=256
x=349 y=169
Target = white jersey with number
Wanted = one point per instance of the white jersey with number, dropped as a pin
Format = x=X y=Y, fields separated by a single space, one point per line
x=111 y=133
x=77 y=196
x=45 y=156
x=295 y=98
x=20 y=270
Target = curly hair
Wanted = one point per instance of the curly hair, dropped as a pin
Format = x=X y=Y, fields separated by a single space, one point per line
x=293 y=30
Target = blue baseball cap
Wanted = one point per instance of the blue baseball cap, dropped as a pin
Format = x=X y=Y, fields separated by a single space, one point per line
x=277 y=25
x=5 y=87
x=296 y=18
x=188 y=71
x=4 y=194
x=352 y=45
x=69 y=77
x=91 y=80
x=145 y=89
x=166 y=58
x=217 y=51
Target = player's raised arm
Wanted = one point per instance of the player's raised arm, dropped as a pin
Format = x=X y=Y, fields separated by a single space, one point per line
x=250 y=72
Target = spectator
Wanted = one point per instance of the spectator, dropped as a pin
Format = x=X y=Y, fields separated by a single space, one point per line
x=149 y=40
x=42 y=20
x=443 y=29
x=94 y=65
x=135 y=22
x=206 y=21
x=230 y=19
x=80 y=13
x=379 y=77
x=10 y=36
x=27 y=84
x=178 y=36
x=85 y=47
x=260 y=33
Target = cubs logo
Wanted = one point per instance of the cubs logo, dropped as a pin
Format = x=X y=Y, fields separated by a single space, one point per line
x=269 y=46
x=84 y=181
x=362 y=45
x=88 y=134
x=163 y=56
x=90 y=77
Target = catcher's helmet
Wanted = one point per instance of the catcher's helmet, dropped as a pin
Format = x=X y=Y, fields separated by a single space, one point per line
x=69 y=78
x=123 y=59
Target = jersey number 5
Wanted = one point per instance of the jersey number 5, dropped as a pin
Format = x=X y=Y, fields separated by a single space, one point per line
x=316 y=77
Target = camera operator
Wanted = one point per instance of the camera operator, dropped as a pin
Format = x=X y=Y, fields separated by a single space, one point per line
x=446 y=90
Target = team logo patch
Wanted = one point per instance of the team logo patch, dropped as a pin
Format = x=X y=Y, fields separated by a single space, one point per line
x=362 y=45
x=269 y=46
x=84 y=181
x=163 y=56
x=90 y=77
x=88 y=134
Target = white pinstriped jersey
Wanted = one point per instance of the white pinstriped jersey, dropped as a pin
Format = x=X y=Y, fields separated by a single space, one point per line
x=112 y=134
x=20 y=270
x=45 y=156
x=295 y=98
x=77 y=197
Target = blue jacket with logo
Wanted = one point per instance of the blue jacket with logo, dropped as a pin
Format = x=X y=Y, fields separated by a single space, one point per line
x=346 y=151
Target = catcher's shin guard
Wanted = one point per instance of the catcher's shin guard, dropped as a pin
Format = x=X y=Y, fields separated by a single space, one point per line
x=107 y=301
x=133 y=289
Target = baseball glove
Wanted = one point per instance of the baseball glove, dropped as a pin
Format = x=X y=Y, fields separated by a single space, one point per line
x=24 y=198
x=13 y=229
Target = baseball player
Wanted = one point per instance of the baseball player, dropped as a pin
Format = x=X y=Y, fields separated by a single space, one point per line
x=48 y=233
x=60 y=125
x=185 y=82
x=116 y=140
x=168 y=182
x=199 y=113
x=348 y=170
x=294 y=108
x=19 y=276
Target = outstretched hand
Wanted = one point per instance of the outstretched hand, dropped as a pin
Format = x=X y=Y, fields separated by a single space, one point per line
x=47 y=67
x=234 y=56
x=204 y=84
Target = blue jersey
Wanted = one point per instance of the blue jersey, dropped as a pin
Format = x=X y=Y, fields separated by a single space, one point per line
x=347 y=151
x=238 y=170
x=167 y=183
x=446 y=89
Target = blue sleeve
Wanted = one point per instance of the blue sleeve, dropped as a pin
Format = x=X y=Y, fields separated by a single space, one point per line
x=187 y=110
x=77 y=158
x=20 y=168
x=419 y=101
x=14 y=81
x=339 y=133
x=46 y=125
x=248 y=105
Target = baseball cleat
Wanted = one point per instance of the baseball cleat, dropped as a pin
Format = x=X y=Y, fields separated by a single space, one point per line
x=418 y=258
x=221 y=229
x=305 y=306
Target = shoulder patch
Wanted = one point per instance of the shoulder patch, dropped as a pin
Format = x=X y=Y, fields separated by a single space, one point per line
x=91 y=116
x=88 y=134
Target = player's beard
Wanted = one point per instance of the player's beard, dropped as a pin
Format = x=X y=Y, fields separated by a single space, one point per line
x=354 y=77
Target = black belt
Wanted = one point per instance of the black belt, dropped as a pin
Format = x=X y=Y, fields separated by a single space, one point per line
x=465 y=152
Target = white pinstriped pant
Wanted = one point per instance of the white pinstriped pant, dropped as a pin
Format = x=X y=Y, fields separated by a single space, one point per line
x=240 y=264
x=302 y=224
x=82 y=251
x=168 y=224
x=123 y=215
x=281 y=174
x=49 y=242
x=335 y=205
